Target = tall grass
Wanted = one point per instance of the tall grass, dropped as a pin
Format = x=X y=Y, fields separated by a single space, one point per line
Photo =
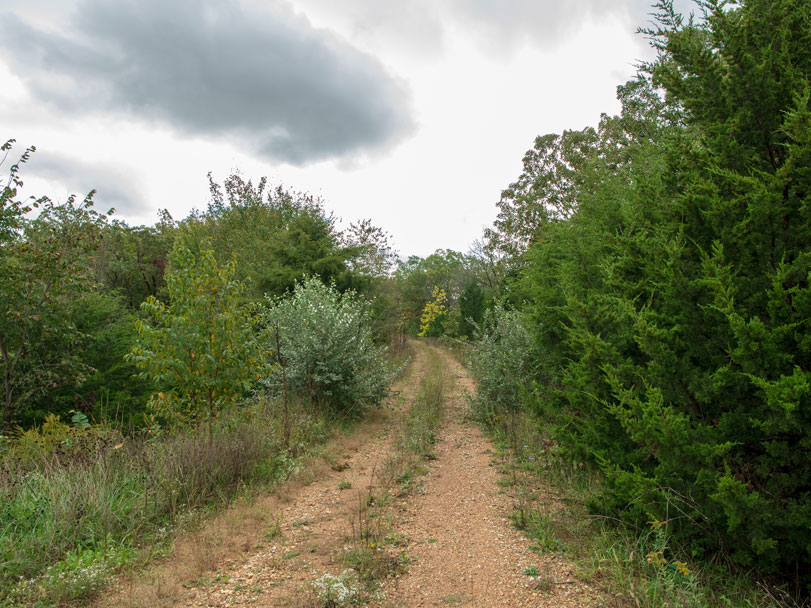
x=70 y=516
x=633 y=567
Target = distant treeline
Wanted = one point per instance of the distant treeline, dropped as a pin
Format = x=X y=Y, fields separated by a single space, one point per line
x=77 y=282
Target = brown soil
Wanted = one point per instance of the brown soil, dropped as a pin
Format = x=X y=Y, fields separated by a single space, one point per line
x=461 y=548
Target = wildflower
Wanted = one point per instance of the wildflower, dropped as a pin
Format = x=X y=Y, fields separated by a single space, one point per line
x=682 y=568
x=656 y=558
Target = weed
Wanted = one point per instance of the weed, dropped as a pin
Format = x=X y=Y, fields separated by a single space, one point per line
x=79 y=504
x=531 y=571
x=344 y=485
x=338 y=590
x=416 y=440
x=274 y=530
x=635 y=567
x=396 y=540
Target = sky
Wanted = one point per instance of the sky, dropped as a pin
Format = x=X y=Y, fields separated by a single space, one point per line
x=413 y=113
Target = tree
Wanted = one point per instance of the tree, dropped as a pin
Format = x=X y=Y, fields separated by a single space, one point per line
x=471 y=308
x=417 y=277
x=371 y=254
x=199 y=347
x=276 y=237
x=132 y=260
x=546 y=191
x=324 y=341
x=672 y=305
x=44 y=265
x=433 y=314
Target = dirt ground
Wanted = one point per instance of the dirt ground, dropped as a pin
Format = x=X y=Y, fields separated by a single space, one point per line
x=457 y=546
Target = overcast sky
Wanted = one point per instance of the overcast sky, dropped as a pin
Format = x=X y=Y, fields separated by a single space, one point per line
x=414 y=113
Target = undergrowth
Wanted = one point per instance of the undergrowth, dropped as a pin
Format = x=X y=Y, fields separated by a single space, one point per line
x=79 y=504
x=632 y=567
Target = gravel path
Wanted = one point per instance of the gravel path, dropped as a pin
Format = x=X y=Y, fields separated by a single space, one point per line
x=459 y=546
x=314 y=525
x=467 y=552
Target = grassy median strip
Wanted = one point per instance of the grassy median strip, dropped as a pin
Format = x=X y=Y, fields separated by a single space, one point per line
x=374 y=550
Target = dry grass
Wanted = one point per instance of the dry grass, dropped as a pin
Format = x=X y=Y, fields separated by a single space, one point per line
x=223 y=539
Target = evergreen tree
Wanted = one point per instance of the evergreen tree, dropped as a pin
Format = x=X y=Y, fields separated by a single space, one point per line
x=471 y=308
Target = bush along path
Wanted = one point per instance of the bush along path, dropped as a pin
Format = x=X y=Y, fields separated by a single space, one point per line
x=412 y=514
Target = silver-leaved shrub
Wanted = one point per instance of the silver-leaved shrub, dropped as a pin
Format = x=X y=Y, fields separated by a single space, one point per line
x=323 y=340
x=501 y=361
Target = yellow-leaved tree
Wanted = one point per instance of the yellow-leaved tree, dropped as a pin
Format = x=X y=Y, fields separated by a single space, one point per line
x=433 y=315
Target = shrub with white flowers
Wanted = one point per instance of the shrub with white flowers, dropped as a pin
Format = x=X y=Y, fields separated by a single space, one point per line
x=338 y=590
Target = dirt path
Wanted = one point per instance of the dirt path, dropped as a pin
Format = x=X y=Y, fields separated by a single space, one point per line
x=268 y=554
x=466 y=551
x=457 y=544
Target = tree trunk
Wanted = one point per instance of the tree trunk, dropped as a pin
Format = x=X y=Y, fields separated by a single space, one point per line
x=286 y=431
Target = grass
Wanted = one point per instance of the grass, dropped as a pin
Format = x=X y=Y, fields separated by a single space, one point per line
x=78 y=506
x=630 y=567
x=75 y=510
x=418 y=435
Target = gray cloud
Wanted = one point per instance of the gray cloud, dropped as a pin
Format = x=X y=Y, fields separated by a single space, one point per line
x=114 y=186
x=293 y=92
x=544 y=23
x=504 y=24
x=500 y=26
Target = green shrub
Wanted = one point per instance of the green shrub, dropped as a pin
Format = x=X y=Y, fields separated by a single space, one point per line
x=502 y=361
x=673 y=303
x=199 y=348
x=323 y=341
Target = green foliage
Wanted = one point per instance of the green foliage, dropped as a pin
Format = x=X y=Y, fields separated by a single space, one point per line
x=417 y=277
x=132 y=261
x=199 y=348
x=502 y=361
x=471 y=308
x=44 y=265
x=369 y=247
x=275 y=237
x=667 y=285
x=325 y=345
x=545 y=192
x=108 y=392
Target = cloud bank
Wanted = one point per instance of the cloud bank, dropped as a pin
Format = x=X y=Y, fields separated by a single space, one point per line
x=293 y=93
x=500 y=26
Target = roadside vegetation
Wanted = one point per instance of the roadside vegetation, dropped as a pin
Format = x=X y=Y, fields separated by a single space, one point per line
x=637 y=319
x=654 y=320
x=190 y=417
